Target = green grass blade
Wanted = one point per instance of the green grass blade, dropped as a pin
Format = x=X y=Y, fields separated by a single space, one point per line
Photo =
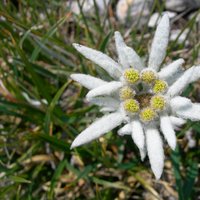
x=46 y=37
x=175 y=158
x=51 y=107
x=191 y=175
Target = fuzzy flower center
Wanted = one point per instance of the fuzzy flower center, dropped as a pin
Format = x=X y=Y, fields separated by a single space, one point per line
x=148 y=76
x=160 y=86
x=141 y=94
x=147 y=114
x=158 y=102
x=131 y=76
x=131 y=106
x=144 y=99
x=126 y=93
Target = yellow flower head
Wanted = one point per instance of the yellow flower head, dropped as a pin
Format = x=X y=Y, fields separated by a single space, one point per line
x=131 y=106
x=131 y=76
x=158 y=102
x=126 y=93
x=148 y=76
x=160 y=86
x=147 y=114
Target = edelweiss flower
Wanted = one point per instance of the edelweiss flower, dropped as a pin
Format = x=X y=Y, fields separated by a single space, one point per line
x=143 y=98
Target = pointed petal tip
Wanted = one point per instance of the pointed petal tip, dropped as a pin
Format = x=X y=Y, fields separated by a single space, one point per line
x=72 y=147
x=74 y=144
x=157 y=175
x=117 y=34
x=72 y=76
x=173 y=143
x=173 y=147
x=89 y=99
x=142 y=154
x=157 y=171
x=77 y=46
x=77 y=142
x=76 y=76
x=119 y=42
x=89 y=96
x=181 y=60
x=165 y=17
x=165 y=22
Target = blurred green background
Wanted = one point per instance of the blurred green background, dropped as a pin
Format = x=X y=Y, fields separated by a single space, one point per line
x=42 y=110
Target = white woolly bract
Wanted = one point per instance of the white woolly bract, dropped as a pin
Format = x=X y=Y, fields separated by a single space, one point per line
x=184 y=108
x=171 y=69
x=159 y=44
x=98 y=128
x=105 y=102
x=192 y=113
x=138 y=137
x=174 y=77
x=120 y=45
x=106 y=89
x=168 y=131
x=176 y=121
x=196 y=74
x=189 y=76
x=179 y=103
x=133 y=59
x=88 y=81
x=107 y=109
x=125 y=130
x=108 y=64
x=155 y=151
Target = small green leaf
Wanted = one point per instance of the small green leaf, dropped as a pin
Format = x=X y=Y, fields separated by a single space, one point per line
x=104 y=43
x=117 y=185
x=18 y=179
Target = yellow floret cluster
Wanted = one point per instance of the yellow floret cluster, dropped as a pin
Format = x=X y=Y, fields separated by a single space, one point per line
x=131 y=106
x=146 y=105
x=147 y=114
x=158 y=102
x=132 y=76
x=160 y=86
x=126 y=93
x=148 y=76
